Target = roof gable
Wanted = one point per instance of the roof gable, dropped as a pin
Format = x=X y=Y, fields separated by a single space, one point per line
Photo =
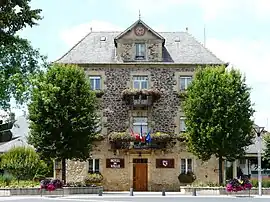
x=139 y=22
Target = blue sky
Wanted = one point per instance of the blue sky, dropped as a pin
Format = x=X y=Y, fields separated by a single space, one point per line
x=236 y=31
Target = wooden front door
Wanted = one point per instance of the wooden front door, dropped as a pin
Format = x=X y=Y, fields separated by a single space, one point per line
x=140 y=174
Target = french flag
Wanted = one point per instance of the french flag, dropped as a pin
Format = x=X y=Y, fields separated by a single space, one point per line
x=137 y=136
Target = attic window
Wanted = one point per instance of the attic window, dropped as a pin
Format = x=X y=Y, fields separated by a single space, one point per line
x=103 y=38
x=177 y=39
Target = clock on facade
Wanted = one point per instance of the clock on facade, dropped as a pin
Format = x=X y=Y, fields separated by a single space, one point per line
x=139 y=31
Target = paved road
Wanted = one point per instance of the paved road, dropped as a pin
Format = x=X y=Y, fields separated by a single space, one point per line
x=136 y=199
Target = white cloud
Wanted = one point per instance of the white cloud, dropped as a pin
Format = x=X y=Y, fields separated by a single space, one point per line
x=211 y=9
x=150 y=7
x=72 y=35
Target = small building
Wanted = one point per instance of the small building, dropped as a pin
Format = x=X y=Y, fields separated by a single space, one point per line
x=14 y=134
x=139 y=75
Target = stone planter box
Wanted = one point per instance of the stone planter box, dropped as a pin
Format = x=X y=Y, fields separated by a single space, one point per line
x=61 y=192
x=221 y=191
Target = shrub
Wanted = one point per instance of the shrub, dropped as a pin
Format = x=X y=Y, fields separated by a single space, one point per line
x=187 y=178
x=93 y=178
x=6 y=179
x=22 y=163
x=265 y=182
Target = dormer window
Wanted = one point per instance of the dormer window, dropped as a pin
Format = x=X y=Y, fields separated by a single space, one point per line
x=140 y=51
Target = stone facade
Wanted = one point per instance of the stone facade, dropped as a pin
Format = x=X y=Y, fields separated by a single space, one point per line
x=158 y=178
x=163 y=115
x=116 y=78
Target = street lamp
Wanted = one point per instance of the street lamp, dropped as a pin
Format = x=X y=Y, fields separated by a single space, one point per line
x=259 y=131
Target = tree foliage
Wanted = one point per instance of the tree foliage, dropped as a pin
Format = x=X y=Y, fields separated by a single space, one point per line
x=19 y=61
x=267 y=149
x=16 y=15
x=23 y=163
x=62 y=113
x=218 y=111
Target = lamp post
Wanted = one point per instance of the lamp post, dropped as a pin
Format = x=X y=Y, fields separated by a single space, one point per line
x=259 y=131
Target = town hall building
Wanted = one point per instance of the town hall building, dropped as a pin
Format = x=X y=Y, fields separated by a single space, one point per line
x=139 y=75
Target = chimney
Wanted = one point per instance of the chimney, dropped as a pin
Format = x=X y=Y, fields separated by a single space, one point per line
x=91 y=29
x=186 y=29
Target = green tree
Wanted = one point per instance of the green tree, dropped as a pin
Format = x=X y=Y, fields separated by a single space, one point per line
x=16 y=15
x=266 y=156
x=218 y=111
x=22 y=163
x=19 y=61
x=62 y=114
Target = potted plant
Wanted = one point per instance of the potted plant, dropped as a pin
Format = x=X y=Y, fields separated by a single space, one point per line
x=98 y=137
x=159 y=137
x=135 y=92
x=187 y=178
x=182 y=137
x=121 y=137
x=93 y=179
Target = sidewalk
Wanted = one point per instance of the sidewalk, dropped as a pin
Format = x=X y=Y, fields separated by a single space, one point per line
x=126 y=194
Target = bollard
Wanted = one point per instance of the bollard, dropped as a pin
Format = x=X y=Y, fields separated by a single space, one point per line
x=194 y=192
x=131 y=192
x=100 y=192
x=163 y=192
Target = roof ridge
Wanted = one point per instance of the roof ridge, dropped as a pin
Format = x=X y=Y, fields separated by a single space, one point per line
x=205 y=47
x=74 y=46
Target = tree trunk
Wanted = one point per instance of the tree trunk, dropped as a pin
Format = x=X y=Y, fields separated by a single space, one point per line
x=64 y=170
x=220 y=161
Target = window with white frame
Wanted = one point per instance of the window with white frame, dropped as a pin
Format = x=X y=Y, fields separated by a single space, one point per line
x=140 y=51
x=182 y=124
x=184 y=82
x=186 y=165
x=93 y=166
x=140 y=82
x=140 y=124
x=95 y=82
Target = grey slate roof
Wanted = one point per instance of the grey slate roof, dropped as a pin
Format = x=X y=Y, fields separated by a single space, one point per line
x=92 y=50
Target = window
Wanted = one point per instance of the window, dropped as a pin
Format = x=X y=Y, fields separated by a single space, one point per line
x=93 y=166
x=186 y=165
x=98 y=124
x=140 y=123
x=140 y=82
x=95 y=82
x=182 y=124
x=140 y=51
x=184 y=82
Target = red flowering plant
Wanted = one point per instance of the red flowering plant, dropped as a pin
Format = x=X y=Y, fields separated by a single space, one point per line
x=236 y=185
x=51 y=185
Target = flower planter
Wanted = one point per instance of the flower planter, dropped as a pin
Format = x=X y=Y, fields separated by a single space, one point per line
x=41 y=192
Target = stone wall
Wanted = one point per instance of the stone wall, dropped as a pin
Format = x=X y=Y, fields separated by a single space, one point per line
x=76 y=171
x=163 y=116
x=158 y=178
x=164 y=111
